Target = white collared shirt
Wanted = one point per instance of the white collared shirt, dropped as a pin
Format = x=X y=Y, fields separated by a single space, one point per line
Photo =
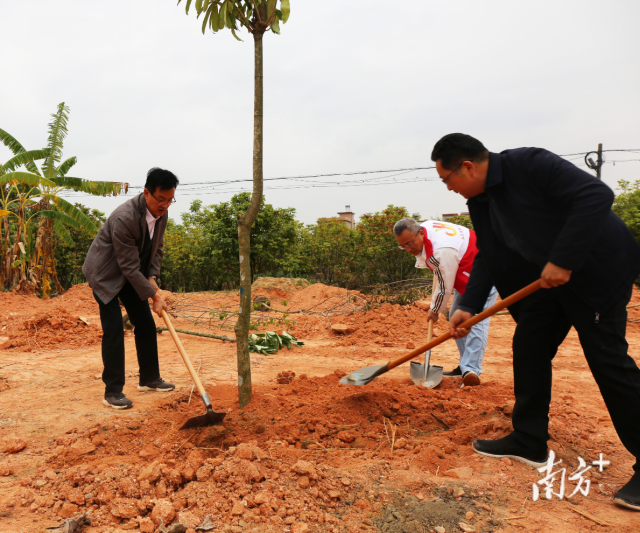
x=151 y=223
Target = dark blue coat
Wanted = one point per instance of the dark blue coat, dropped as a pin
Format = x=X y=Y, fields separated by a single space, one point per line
x=557 y=213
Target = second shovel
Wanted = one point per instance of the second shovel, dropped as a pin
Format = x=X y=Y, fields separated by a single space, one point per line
x=425 y=375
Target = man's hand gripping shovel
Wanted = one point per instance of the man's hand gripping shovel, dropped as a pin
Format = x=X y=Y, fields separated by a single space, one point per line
x=369 y=373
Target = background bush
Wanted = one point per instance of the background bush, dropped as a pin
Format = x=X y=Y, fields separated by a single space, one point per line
x=201 y=252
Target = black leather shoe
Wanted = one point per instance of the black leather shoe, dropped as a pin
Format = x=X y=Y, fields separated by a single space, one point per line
x=507 y=447
x=455 y=373
x=629 y=495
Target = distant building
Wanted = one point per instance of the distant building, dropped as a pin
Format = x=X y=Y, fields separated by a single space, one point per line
x=448 y=216
x=347 y=216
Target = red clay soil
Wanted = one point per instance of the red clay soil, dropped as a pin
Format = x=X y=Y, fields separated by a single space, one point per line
x=307 y=454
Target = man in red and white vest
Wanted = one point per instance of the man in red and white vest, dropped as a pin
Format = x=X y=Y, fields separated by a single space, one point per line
x=448 y=250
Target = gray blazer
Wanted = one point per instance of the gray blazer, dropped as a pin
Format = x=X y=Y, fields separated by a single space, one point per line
x=114 y=255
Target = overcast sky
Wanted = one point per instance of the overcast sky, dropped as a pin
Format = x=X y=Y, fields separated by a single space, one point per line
x=349 y=86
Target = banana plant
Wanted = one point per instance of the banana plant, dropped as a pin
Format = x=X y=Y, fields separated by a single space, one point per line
x=13 y=186
x=35 y=194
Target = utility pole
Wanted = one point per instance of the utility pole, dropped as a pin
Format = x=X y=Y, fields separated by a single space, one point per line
x=597 y=166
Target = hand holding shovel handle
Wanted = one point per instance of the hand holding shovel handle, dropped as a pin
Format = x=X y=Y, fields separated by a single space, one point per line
x=468 y=324
x=365 y=375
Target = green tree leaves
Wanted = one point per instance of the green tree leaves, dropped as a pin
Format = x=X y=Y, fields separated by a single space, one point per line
x=627 y=206
x=70 y=248
x=285 y=8
x=379 y=248
x=462 y=220
x=201 y=253
x=256 y=16
x=270 y=342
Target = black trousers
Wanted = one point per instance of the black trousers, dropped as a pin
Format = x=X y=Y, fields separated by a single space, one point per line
x=544 y=319
x=113 y=338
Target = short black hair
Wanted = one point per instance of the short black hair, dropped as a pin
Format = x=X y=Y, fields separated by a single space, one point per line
x=159 y=177
x=455 y=148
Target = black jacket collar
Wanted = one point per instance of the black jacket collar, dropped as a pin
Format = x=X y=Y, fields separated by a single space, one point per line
x=494 y=173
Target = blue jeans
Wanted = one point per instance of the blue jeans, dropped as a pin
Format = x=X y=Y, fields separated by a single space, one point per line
x=472 y=346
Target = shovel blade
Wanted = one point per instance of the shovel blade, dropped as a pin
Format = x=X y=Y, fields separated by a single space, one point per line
x=429 y=379
x=210 y=418
x=433 y=379
x=364 y=375
x=416 y=371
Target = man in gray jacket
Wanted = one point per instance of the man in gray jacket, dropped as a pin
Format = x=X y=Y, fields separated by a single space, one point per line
x=122 y=265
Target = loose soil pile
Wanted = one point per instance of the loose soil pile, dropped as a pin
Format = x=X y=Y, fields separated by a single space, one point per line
x=307 y=454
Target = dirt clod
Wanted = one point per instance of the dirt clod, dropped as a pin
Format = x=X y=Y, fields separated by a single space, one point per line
x=286 y=377
x=14 y=446
x=507 y=409
x=68 y=510
x=163 y=510
x=342 y=329
x=463 y=472
x=146 y=525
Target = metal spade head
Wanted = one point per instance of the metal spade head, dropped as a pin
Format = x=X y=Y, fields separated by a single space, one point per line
x=425 y=375
x=209 y=418
x=364 y=375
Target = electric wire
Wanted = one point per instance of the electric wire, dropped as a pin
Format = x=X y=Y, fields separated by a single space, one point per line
x=350 y=180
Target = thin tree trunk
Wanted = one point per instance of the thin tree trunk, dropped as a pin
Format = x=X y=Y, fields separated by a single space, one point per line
x=4 y=247
x=245 y=222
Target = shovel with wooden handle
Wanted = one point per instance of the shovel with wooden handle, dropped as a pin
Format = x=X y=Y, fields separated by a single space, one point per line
x=210 y=417
x=426 y=375
x=369 y=373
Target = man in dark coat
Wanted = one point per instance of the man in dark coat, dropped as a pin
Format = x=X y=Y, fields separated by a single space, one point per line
x=537 y=215
x=122 y=264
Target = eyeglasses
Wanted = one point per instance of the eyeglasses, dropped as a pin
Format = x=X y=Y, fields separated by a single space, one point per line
x=164 y=204
x=408 y=245
x=445 y=179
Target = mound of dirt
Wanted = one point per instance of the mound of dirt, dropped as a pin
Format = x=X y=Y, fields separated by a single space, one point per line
x=46 y=330
x=318 y=291
x=283 y=284
x=306 y=455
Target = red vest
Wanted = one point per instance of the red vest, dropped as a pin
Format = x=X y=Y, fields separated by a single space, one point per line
x=465 y=265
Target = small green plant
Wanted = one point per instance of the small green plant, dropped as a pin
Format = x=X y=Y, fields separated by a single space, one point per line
x=285 y=303
x=270 y=342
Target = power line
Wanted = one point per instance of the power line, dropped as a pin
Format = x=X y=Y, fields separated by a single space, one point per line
x=637 y=150
x=401 y=170
x=216 y=187
x=192 y=192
